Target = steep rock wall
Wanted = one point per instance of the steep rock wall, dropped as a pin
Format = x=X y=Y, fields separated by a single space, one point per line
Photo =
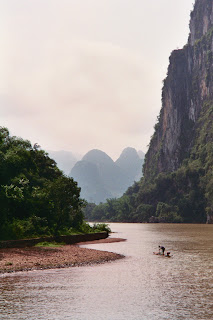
x=187 y=87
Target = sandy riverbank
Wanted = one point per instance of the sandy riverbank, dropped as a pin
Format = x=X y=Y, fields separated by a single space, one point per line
x=23 y=259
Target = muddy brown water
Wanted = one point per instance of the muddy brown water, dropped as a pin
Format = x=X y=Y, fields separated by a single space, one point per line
x=140 y=286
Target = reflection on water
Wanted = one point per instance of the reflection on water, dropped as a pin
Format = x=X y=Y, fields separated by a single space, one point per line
x=141 y=286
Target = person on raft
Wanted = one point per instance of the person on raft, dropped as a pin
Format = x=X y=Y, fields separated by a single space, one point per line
x=161 y=249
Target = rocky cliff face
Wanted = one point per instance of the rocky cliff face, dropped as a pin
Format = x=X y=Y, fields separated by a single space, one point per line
x=187 y=91
x=201 y=20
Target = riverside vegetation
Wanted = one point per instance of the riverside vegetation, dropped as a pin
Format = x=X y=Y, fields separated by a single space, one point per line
x=177 y=185
x=36 y=199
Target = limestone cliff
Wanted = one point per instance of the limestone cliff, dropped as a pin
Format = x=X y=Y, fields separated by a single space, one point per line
x=187 y=88
x=183 y=137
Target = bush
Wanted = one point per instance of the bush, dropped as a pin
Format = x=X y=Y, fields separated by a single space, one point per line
x=99 y=227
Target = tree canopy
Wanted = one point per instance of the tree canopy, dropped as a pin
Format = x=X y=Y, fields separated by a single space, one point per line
x=35 y=197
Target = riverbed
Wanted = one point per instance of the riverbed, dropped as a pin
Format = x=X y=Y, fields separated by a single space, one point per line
x=141 y=286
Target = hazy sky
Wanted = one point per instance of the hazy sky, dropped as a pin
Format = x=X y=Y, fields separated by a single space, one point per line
x=82 y=74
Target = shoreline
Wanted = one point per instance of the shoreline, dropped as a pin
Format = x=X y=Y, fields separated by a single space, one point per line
x=43 y=258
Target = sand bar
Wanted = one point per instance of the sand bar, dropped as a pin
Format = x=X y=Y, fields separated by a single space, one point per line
x=24 y=259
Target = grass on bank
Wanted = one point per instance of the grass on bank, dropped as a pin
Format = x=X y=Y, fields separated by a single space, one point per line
x=50 y=244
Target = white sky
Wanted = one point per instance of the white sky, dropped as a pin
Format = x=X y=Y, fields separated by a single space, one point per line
x=82 y=74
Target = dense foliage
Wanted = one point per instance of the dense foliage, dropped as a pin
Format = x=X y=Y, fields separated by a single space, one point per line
x=35 y=197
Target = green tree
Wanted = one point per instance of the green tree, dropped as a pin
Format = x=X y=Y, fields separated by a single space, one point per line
x=35 y=197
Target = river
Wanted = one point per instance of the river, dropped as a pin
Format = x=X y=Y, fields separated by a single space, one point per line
x=140 y=286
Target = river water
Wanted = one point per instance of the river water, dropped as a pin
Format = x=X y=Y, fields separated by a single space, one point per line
x=140 y=286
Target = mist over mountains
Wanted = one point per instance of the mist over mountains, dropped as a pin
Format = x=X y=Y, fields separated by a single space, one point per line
x=101 y=178
x=65 y=159
x=130 y=162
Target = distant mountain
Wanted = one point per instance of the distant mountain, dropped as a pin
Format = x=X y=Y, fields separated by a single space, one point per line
x=65 y=160
x=130 y=162
x=87 y=175
x=101 y=178
x=141 y=154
